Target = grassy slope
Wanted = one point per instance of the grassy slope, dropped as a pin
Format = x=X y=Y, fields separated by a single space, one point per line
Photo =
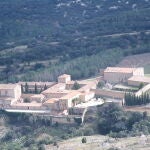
x=98 y=142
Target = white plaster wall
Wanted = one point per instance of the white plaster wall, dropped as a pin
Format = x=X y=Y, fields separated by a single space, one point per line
x=138 y=72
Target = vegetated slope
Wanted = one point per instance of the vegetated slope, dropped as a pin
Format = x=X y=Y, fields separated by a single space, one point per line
x=98 y=142
x=140 y=60
x=61 y=30
x=32 y=131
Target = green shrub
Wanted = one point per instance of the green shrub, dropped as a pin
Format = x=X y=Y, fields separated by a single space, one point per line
x=83 y=140
x=28 y=142
x=88 y=131
x=78 y=120
x=8 y=136
x=41 y=147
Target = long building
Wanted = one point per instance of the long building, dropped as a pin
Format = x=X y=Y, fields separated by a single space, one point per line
x=121 y=75
x=137 y=80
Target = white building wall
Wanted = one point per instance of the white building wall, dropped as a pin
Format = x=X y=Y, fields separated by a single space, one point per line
x=7 y=93
x=17 y=92
x=138 y=72
x=12 y=93
x=64 y=79
x=116 y=77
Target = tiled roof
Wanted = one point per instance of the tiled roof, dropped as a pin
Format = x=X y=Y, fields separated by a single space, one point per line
x=50 y=101
x=37 y=96
x=140 y=79
x=64 y=75
x=8 y=86
x=55 y=88
x=28 y=104
x=120 y=70
x=71 y=94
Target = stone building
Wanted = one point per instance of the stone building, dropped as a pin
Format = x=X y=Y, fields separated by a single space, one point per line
x=137 y=80
x=64 y=78
x=120 y=75
x=9 y=94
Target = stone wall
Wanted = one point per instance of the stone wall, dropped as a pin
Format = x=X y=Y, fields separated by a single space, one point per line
x=109 y=93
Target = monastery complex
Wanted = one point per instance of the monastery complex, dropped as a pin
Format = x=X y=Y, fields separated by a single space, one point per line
x=58 y=97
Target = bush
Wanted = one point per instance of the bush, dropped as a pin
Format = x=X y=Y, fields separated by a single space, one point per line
x=26 y=100
x=8 y=136
x=76 y=86
x=65 y=137
x=55 y=144
x=29 y=142
x=41 y=147
x=78 y=120
x=45 y=140
x=88 y=131
x=100 y=84
x=83 y=140
x=120 y=134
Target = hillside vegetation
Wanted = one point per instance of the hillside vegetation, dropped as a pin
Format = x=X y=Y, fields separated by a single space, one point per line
x=35 y=132
x=37 y=35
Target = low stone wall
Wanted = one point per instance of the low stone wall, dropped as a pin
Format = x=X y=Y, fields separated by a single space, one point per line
x=63 y=119
x=109 y=93
x=28 y=107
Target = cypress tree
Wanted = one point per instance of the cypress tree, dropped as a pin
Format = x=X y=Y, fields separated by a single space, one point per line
x=26 y=88
x=35 y=89
x=45 y=87
x=22 y=90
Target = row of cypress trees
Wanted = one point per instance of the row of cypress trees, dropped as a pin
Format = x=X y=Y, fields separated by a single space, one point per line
x=25 y=89
x=131 y=99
